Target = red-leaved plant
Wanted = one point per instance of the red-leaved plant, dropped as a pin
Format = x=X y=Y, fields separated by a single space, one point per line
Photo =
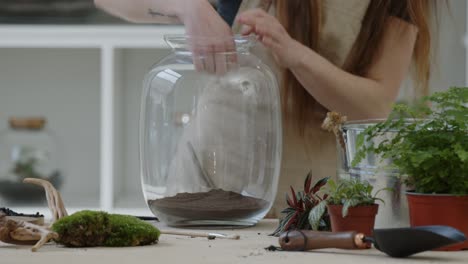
x=300 y=204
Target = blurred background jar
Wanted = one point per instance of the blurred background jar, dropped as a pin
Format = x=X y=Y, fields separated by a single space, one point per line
x=28 y=149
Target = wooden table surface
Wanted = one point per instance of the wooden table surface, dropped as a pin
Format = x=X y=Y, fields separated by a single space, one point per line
x=250 y=248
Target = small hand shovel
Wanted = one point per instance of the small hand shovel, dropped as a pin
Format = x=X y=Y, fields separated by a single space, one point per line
x=395 y=242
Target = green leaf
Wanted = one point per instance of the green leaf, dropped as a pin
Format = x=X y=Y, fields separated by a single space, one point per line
x=461 y=153
x=419 y=157
x=316 y=214
x=347 y=204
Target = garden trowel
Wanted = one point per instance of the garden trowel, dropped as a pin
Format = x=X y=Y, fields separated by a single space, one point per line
x=395 y=242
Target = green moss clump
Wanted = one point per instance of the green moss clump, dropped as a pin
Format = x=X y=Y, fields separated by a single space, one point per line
x=130 y=231
x=93 y=228
x=83 y=229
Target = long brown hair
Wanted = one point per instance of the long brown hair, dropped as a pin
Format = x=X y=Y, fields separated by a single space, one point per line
x=302 y=19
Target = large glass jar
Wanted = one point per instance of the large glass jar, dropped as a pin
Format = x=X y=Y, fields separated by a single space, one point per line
x=28 y=150
x=210 y=135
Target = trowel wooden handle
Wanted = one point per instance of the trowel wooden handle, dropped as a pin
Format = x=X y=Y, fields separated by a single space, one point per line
x=307 y=240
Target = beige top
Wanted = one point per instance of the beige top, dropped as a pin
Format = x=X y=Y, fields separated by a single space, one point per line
x=316 y=150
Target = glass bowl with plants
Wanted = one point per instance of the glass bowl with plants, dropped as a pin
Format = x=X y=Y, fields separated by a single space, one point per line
x=429 y=147
x=28 y=149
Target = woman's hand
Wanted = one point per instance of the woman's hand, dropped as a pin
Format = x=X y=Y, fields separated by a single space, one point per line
x=210 y=36
x=201 y=19
x=286 y=51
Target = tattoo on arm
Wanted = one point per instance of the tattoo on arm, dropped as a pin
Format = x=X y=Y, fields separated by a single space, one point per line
x=155 y=14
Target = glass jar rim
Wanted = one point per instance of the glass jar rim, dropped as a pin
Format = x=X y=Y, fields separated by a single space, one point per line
x=183 y=42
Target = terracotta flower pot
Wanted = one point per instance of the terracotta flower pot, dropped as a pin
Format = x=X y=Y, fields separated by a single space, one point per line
x=360 y=218
x=439 y=209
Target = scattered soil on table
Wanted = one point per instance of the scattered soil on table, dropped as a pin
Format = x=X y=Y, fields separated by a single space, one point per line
x=213 y=205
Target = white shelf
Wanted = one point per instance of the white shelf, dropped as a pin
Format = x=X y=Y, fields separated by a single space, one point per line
x=111 y=43
x=64 y=36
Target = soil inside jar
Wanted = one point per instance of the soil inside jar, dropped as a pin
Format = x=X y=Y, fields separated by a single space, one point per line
x=213 y=205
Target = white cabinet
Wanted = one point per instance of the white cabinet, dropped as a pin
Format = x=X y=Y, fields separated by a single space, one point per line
x=86 y=80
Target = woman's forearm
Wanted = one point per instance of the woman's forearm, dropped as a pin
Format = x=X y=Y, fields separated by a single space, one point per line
x=198 y=16
x=370 y=96
x=149 y=11
x=356 y=97
x=337 y=90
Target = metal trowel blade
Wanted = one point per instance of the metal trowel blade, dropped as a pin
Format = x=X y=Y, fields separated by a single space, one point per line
x=403 y=242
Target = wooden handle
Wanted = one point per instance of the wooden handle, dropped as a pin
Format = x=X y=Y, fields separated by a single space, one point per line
x=307 y=240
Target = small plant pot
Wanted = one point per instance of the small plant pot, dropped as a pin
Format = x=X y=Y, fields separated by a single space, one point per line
x=360 y=219
x=439 y=209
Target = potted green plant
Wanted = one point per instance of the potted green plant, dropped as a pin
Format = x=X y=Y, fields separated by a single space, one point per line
x=350 y=204
x=299 y=206
x=429 y=146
